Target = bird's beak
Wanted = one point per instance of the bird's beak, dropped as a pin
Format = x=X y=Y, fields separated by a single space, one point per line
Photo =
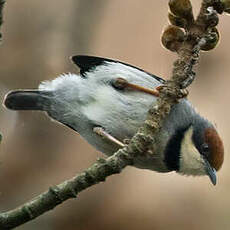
x=211 y=172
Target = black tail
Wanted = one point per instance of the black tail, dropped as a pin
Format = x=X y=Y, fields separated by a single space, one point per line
x=26 y=100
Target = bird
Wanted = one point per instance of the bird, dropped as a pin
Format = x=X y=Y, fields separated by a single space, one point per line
x=106 y=103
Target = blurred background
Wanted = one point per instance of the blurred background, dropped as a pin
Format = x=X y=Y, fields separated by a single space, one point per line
x=39 y=37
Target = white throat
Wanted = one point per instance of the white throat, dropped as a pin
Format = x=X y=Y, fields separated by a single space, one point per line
x=191 y=161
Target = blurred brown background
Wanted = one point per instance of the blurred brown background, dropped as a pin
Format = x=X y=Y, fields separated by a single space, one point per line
x=39 y=37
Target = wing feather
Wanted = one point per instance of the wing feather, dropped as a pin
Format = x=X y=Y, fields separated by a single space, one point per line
x=88 y=63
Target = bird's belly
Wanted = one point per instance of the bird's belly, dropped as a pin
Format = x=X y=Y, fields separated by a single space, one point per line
x=120 y=115
x=154 y=162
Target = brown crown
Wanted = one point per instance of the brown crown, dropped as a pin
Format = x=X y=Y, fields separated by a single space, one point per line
x=216 y=147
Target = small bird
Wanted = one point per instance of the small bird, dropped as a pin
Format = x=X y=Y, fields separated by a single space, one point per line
x=108 y=101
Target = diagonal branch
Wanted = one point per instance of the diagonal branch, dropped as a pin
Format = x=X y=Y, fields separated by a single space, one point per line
x=198 y=35
x=66 y=190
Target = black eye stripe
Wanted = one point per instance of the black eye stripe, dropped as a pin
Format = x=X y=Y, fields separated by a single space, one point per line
x=205 y=147
x=205 y=150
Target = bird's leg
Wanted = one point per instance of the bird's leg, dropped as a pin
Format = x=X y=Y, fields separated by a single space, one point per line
x=121 y=83
x=101 y=132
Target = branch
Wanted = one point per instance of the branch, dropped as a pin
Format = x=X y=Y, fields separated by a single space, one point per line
x=199 y=34
x=2 y=2
x=66 y=190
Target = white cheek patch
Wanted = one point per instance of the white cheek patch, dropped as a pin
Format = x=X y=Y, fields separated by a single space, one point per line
x=191 y=162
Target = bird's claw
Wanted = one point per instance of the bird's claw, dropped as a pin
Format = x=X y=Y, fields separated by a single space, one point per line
x=183 y=93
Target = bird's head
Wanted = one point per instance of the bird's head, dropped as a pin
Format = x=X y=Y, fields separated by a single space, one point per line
x=201 y=151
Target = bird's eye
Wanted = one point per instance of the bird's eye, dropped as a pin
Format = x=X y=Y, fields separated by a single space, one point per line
x=205 y=149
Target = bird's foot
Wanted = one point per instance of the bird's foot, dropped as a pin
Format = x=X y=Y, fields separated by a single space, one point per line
x=126 y=141
x=183 y=93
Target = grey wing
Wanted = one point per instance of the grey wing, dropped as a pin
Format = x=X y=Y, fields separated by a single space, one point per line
x=120 y=112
